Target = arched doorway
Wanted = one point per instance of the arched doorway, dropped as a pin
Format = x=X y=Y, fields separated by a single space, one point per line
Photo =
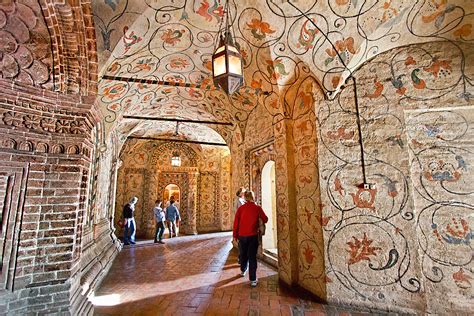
x=269 y=240
x=172 y=191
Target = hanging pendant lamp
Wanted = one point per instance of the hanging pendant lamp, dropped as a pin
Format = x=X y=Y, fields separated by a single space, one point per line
x=175 y=159
x=227 y=71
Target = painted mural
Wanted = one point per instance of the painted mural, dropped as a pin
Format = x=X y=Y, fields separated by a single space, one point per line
x=411 y=233
x=203 y=179
x=402 y=245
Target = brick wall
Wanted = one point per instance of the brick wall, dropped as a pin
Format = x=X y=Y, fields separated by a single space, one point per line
x=45 y=157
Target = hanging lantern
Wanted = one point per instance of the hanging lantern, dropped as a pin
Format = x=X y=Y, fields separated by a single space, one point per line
x=227 y=61
x=175 y=159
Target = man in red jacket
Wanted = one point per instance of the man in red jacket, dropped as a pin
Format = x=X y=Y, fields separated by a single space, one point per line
x=246 y=232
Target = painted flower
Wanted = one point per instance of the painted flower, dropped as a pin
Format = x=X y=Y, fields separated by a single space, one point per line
x=441 y=8
x=194 y=93
x=130 y=39
x=12 y=119
x=439 y=67
x=276 y=68
x=308 y=254
x=32 y=121
x=172 y=37
x=144 y=64
x=259 y=29
x=114 y=67
x=175 y=78
x=455 y=233
x=48 y=125
x=361 y=249
x=340 y=134
x=343 y=48
x=462 y=279
x=464 y=31
x=179 y=63
x=207 y=63
x=114 y=91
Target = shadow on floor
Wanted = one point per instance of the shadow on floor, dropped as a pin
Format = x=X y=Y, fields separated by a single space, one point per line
x=196 y=275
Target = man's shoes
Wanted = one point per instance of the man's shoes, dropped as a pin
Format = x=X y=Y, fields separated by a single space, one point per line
x=253 y=283
x=156 y=241
x=132 y=242
x=161 y=242
x=243 y=273
x=126 y=244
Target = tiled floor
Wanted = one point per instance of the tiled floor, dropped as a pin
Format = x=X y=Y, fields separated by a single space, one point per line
x=195 y=275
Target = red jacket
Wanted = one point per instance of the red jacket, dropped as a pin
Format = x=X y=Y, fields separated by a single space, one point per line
x=246 y=219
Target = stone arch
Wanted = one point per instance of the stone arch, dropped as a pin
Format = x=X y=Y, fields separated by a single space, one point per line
x=168 y=147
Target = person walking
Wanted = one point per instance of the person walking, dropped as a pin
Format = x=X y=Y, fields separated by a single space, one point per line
x=245 y=230
x=160 y=219
x=129 y=222
x=172 y=215
x=238 y=202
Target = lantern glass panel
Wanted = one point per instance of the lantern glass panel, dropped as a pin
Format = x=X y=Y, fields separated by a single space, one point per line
x=235 y=65
x=219 y=65
x=220 y=49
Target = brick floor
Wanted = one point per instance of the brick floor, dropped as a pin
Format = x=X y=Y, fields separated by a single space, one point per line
x=195 y=275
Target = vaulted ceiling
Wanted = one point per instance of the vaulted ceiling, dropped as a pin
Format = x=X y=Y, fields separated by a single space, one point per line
x=173 y=41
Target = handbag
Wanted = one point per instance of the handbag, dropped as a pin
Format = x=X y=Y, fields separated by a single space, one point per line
x=261 y=227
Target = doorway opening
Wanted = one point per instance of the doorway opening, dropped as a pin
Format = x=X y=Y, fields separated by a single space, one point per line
x=269 y=240
x=172 y=191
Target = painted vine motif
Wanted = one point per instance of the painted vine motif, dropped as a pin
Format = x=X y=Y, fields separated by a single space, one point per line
x=390 y=238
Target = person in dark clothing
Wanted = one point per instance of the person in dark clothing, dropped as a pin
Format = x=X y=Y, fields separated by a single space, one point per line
x=129 y=222
x=246 y=232
x=160 y=222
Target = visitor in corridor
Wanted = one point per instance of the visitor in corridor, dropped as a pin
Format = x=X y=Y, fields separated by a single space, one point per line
x=160 y=222
x=246 y=232
x=129 y=222
x=172 y=216
x=238 y=202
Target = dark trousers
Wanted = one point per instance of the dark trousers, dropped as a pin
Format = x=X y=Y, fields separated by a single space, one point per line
x=160 y=229
x=248 y=246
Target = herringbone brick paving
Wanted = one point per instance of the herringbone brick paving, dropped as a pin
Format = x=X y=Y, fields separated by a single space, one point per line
x=195 y=275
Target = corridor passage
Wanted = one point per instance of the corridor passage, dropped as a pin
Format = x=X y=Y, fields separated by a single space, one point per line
x=195 y=275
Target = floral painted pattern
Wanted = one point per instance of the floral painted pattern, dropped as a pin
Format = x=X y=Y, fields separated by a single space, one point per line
x=260 y=29
x=179 y=63
x=172 y=37
x=361 y=249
